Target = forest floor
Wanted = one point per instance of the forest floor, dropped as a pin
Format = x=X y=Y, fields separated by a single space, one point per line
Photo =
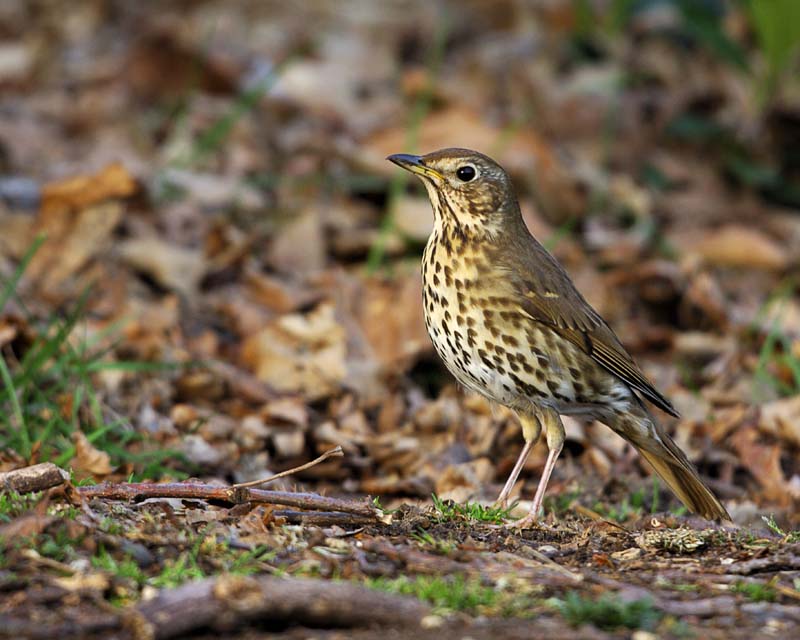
x=209 y=274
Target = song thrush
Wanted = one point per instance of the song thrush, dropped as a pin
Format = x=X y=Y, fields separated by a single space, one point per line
x=509 y=323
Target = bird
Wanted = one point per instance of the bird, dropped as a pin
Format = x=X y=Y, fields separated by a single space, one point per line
x=509 y=324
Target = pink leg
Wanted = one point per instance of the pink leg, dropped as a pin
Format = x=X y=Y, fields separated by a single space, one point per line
x=531 y=428
x=502 y=499
x=555 y=442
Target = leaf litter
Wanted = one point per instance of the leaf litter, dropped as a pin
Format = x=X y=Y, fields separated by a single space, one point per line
x=209 y=181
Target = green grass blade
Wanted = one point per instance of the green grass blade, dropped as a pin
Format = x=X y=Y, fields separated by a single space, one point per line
x=11 y=286
x=19 y=416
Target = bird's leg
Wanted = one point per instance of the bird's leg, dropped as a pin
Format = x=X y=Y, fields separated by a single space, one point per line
x=531 y=429
x=554 y=432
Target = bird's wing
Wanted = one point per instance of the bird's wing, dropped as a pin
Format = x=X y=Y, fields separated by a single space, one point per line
x=547 y=295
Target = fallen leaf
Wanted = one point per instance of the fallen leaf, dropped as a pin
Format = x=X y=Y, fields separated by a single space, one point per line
x=459 y=482
x=79 y=192
x=391 y=318
x=175 y=268
x=303 y=353
x=781 y=418
x=738 y=246
x=763 y=461
x=77 y=216
x=299 y=246
x=89 y=460
x=414 y=217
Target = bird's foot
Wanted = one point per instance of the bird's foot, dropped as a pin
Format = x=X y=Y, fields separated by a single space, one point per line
x=527 y=522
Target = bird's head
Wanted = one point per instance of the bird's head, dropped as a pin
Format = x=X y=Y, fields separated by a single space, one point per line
x=468 y=190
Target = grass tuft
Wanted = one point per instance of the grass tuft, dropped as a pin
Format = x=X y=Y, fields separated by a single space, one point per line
x=608 y=612
x=447 y=510
x=755 y=591
x=48 y=390
x=446 y=594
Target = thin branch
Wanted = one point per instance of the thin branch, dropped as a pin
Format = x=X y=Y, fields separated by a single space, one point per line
x=330 y=453
x=138 y=491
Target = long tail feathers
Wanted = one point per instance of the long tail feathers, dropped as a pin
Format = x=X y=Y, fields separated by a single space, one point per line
x=681 y=477
x=671 y=464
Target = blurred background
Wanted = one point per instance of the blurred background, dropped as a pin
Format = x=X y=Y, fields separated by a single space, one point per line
x=209 y=269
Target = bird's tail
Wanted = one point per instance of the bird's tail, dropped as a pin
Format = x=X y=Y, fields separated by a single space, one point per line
x=671 y=464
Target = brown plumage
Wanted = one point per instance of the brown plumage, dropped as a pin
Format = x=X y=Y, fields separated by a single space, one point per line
x=509 y=323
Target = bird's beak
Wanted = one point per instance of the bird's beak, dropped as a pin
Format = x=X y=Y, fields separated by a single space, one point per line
x=414 y=164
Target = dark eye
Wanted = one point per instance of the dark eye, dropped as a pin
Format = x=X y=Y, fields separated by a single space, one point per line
x=465 y=173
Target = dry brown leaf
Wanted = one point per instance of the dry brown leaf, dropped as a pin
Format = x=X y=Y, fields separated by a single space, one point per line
x=303 y=353
x=8 y=331
x=781 y=418
x=89 y=460
x=391 y=319
x=763 y=461
x=299 y=246
x=738 y=246
x=77 y=216
x=176 y=268
x=292 y=411
x=414 y=217
x=271 y=292
x=79 y=192
x=72 y=239
x=460 y=482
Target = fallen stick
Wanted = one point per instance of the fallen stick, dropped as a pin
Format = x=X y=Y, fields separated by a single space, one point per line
x=323 y=518
x=228 y=602
x=138 y=491
x=37 y=477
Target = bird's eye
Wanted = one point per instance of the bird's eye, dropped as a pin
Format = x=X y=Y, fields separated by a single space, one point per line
x=466 y=173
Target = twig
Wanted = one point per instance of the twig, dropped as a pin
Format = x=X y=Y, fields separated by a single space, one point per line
x=330 y=453
x=322 y=518
x=139 y=491
x=549 y=562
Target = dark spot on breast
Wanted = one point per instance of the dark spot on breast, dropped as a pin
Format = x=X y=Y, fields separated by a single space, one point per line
x=511 y=341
